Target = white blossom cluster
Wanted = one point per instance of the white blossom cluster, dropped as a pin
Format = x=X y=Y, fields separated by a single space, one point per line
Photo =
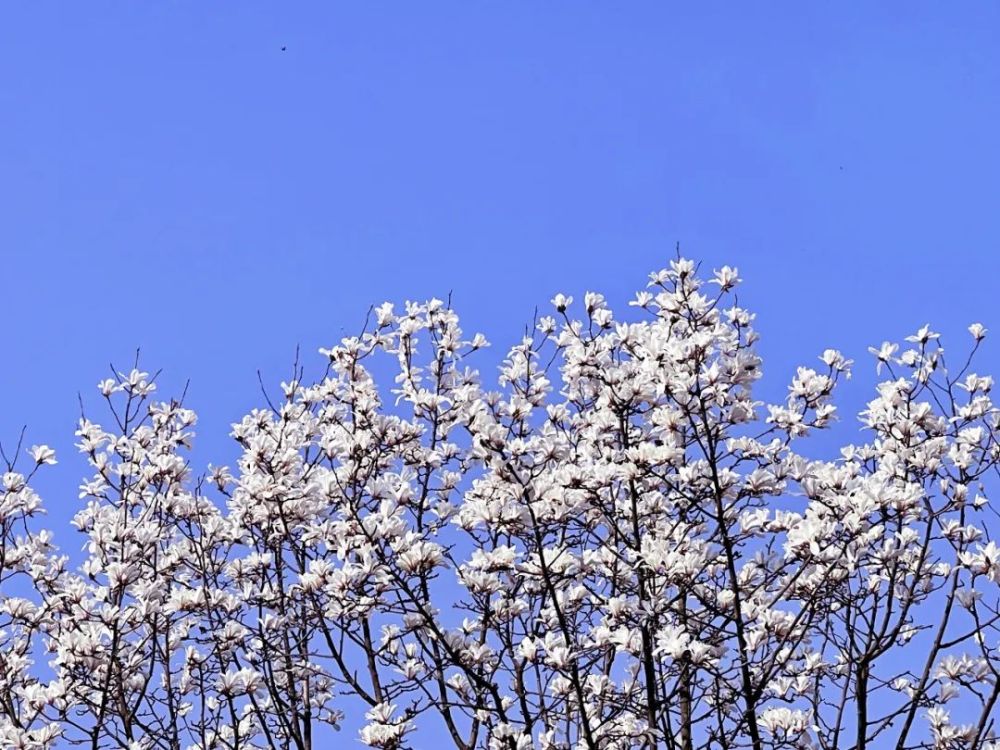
x=617 y=547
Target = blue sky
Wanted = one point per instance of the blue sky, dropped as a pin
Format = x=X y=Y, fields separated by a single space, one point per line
x=171 y=179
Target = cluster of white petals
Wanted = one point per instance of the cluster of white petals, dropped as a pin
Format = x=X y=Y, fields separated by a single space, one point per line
x=616 y=546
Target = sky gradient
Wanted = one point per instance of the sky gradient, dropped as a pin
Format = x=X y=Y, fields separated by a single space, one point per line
x=219 y=184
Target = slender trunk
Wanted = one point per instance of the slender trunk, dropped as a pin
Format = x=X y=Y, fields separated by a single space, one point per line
x=861 y=696
x=687 y=742
x=649 y=673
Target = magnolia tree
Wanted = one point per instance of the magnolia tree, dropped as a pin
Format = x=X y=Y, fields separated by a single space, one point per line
x=616 y=547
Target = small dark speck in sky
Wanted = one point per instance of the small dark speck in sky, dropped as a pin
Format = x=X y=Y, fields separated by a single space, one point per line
x=283 y=48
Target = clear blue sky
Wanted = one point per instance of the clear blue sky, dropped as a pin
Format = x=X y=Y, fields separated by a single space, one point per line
x=171 y=179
